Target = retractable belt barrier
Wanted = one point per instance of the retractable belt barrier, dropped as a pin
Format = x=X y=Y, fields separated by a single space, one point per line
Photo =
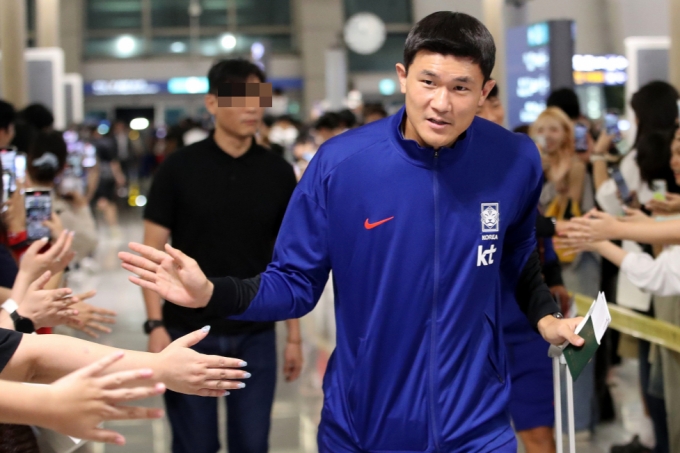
x=636 y=325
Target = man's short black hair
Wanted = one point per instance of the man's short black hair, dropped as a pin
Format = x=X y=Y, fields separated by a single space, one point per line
x=567 y=100
x=329 y=120
x=374 y=109
x=493 y=93
x=8 y=115
x=236 y=70
x=38 y=116
x=347 y=118
x=456 y=34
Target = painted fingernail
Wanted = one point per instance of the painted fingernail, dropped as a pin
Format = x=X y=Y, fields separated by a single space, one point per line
x=146 y=372
x=44 y=239
x=247 y=375
x=226 y=393
x=120 y=440
x=241 y=385
x=242 y=363
x=72 y=233
x=205 y=329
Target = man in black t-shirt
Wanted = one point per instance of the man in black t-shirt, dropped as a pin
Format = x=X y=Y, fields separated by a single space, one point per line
x=222 y=200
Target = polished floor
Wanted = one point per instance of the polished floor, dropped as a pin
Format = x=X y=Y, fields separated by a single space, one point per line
x=297 y=406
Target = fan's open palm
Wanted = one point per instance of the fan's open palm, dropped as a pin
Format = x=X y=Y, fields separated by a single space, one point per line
x=172 y=274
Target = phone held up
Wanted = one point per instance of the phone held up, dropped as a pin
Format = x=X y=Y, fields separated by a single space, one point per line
x=581 y=138
x=38 y=204
x=624 y=192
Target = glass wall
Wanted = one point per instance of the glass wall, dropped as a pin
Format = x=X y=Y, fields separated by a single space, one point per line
x=117 y=29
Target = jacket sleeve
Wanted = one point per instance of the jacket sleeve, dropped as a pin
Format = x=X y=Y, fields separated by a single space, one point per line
x=297 y=275
x=521 y=265
x=544 y=227
x=660 y=276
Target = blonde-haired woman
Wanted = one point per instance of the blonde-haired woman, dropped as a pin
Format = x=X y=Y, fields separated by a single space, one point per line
x=564 y=171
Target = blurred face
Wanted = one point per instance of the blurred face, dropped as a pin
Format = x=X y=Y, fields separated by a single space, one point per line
x=492 y=110
x=443 y=93
x=7 y=135
x=552 y=132
x=239 y=122
x=675 y=156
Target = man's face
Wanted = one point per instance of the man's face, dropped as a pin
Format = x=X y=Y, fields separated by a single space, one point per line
x=241 y=121
x=443 y=93
x=492 y=110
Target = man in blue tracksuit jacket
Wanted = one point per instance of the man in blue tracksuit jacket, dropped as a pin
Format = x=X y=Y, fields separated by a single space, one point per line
x=425 y=218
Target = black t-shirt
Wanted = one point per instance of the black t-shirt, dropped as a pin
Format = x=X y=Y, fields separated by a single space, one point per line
x=223 y=212
x=9 y=342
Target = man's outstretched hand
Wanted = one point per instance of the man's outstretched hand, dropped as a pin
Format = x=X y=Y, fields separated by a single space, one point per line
x=557 y=331
x=173 y=275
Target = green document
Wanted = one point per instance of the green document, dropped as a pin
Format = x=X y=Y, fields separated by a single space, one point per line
x=578 y=358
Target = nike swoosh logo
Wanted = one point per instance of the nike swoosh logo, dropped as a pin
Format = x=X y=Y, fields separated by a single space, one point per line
x=369 y=226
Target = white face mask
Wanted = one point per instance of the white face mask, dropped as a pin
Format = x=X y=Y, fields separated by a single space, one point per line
x=283 y=136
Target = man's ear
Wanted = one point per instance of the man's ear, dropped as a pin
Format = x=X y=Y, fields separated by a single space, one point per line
x=486 y=89
x=402 y=73
x=211 y=103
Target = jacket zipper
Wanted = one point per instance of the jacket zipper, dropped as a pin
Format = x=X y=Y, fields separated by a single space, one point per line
x=433 y=328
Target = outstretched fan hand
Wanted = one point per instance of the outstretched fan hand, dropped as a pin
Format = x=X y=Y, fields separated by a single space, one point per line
x=172 y=274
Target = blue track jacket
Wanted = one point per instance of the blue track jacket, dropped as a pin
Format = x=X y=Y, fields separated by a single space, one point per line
x=421 y=244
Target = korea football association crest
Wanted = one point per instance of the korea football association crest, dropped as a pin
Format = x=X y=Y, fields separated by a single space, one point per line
x=490 y=218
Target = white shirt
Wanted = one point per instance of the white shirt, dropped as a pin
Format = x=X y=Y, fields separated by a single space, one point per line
x=660 y=276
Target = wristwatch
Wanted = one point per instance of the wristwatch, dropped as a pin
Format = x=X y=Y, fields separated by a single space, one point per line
x=152 y=324
x=21 y=324
x=558 y=315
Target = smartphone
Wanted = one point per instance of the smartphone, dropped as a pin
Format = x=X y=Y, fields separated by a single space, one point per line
x=660 y=188
x=6 y=181
x=19 y=169
x=38 y=209
x=7 y=157
x=581 y=138
x=621 y=185
x=611 y=125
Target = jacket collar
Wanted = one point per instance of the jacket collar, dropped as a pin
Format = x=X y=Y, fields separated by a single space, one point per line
x=424 y=156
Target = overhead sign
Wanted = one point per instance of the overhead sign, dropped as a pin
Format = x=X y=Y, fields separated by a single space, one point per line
x=188 y=85
x=124 y=87
x=539 y=58
x=175 y=85
x=600 y=69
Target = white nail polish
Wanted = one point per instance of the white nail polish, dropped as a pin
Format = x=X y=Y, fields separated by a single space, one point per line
x=205 y=329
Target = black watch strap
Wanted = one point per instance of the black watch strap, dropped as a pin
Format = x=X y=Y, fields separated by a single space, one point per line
x=21 y=324
x=152 y=324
